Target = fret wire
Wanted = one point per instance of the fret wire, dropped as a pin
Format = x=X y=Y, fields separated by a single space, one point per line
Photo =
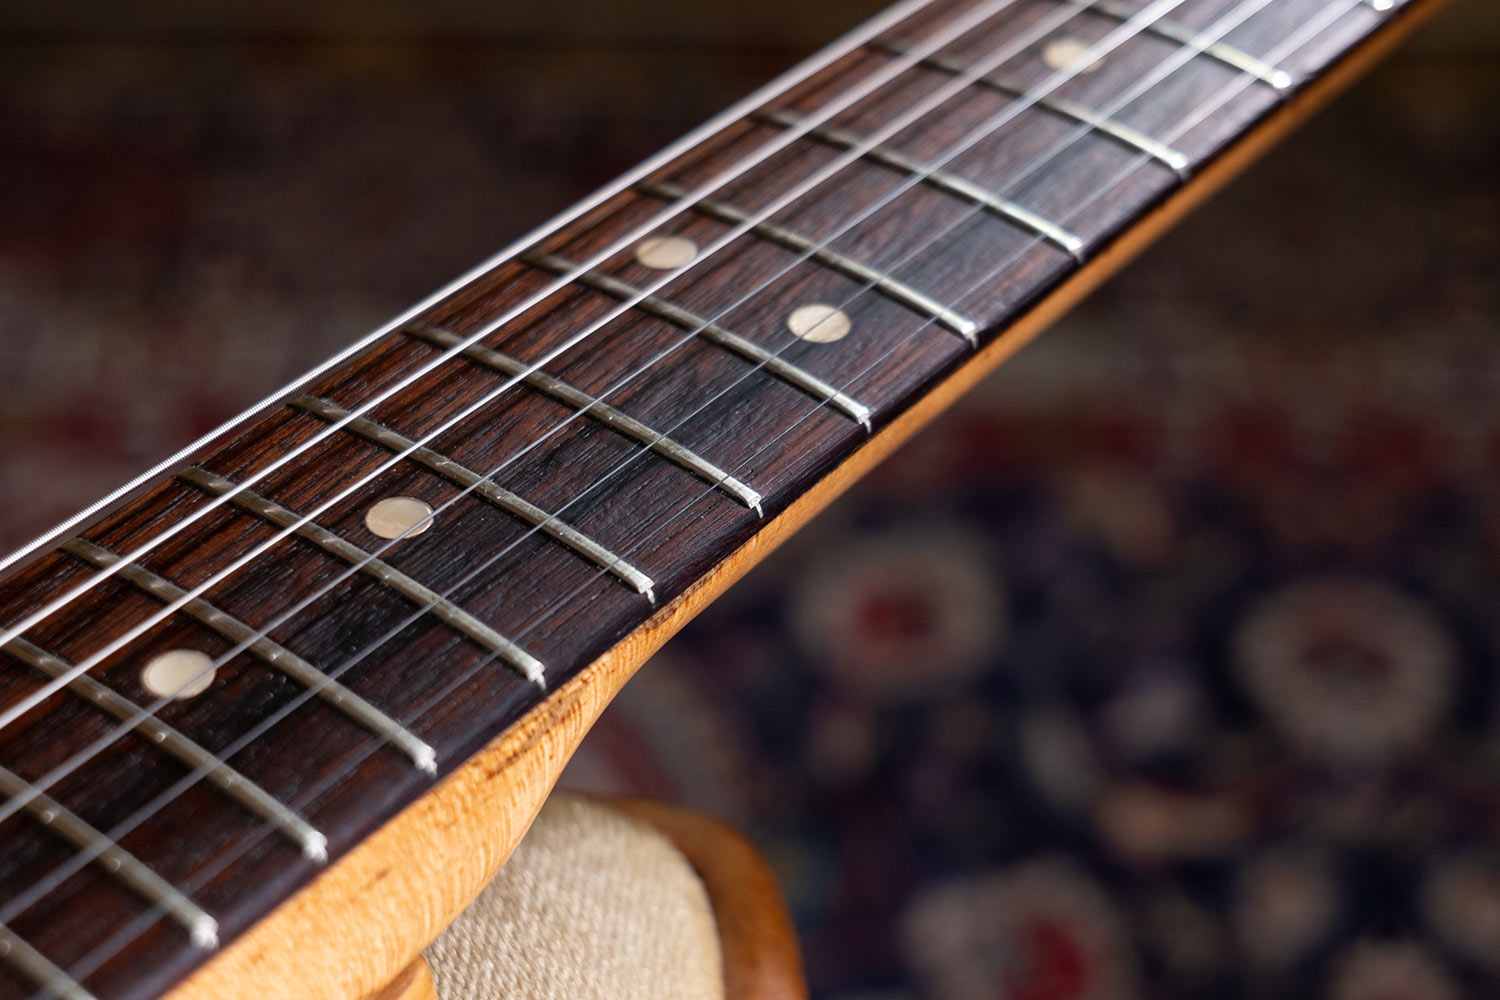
x=1177 y=32
x=782 y=369
x=959 y=28
x=227 y=779
x=822 y=254
x=1169 y=157
x=950 y=183
x=548 y=524
x=117 y=862
x=975 y=287
x=38 y=968
x=590 y=406
x=445 y=610
x=274 y=655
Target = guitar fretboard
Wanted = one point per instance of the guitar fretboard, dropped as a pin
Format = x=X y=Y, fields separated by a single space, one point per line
x=234 y=678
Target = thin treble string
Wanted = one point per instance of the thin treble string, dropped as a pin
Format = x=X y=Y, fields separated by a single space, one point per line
x=1204 y=111
x=120 y=642
x=1082 y=63
x=957 y=30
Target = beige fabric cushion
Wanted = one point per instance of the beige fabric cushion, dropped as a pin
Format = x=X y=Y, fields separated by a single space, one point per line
x=593 y=904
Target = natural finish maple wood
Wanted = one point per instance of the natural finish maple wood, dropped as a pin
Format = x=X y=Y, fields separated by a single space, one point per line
x=762 y=960
x=400 y=888
x=415 y=983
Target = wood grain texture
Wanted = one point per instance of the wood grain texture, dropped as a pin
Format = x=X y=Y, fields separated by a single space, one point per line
x=762 y=960
x=414 y=983
x=408 y=854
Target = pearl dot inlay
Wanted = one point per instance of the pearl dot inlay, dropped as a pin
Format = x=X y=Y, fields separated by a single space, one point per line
x=399 y=517
x=819 y=323
x=664 y=253
x=179 y=674
x=1062 y=51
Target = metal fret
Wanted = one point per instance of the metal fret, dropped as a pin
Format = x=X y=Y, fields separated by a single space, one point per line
x=1175 y=160
x=445 y=610
x=614 y=419
x=774 y=365
x=231 y=782
x=1175 y=31
x=486 y=489
x=263 y=648
x=37 y=968
x=114 y=859
x=943 y=180
x=897 y=291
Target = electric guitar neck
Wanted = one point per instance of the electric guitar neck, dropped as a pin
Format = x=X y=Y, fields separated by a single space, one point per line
x=270 y=716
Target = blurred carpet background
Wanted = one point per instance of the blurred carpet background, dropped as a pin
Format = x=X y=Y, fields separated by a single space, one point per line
x=1164 y=667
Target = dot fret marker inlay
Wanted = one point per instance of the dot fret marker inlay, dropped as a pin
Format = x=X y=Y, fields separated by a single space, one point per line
x=825 y=255
x=666 y=253
x=232 y=783
x=422 y=596
x=1173 y=31
x=1058 y=104
x=179 y=674
x=399 y=517
x=1063 y=52
x=485 y=489
x=275 y=656
x=819 y=323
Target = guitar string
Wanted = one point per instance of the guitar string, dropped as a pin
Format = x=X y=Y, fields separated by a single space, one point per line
x=309 y=516
x=84 y=666
x=109 y=737
x=1124 y=173
x=122 y=938
x=729 y=117
x=166 y=611
x=143 y=923
x=984 y=12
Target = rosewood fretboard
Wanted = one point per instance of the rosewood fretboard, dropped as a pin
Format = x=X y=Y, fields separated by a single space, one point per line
x=592 y=423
